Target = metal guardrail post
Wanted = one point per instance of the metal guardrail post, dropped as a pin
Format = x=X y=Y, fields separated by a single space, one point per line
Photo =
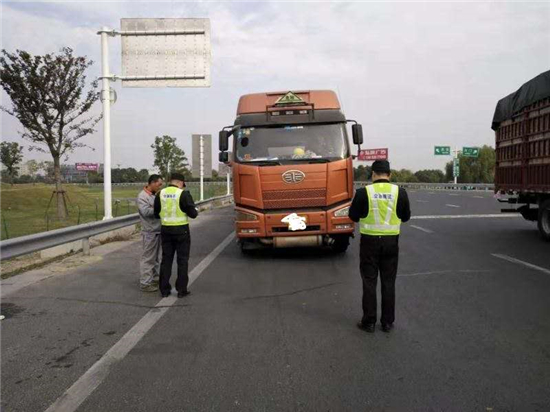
x=86 y=246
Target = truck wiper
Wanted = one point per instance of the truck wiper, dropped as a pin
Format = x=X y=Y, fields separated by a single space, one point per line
x=265 y=163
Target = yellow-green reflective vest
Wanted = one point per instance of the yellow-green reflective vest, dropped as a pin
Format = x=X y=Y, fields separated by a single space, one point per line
x=382 y=219
x=170 y=212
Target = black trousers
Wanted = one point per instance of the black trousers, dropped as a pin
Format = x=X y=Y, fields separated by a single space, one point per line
x=173 y=243
x=379 y=254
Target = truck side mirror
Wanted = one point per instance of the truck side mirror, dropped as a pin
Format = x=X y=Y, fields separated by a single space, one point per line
x=357 y=132
x=224 y=157
x=224 y=141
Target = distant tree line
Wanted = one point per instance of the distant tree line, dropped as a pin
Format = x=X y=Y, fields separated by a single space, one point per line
x=472 y=170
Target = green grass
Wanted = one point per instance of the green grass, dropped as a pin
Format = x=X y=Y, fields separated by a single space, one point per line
x=25 y=207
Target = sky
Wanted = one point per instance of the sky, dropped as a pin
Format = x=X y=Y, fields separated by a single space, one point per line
x=415 y=75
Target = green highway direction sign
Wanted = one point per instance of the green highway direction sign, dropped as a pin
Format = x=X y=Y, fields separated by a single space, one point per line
x=456 y=167
x=470 y=151
x=442 y=150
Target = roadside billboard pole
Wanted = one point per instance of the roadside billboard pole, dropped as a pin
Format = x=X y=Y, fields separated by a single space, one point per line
x=106 y=98
x=228 y=183
x=201 y=167
x=155 y=53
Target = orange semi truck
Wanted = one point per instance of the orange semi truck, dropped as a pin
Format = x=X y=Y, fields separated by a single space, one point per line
x=292 y=170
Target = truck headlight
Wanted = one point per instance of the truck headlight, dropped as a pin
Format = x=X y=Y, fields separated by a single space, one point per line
x=245 y=217
x=342 y=212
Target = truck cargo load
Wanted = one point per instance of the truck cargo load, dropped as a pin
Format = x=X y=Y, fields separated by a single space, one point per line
x=522 y=136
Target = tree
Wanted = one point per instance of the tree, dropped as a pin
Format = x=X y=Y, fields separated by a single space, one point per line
x=49 y=100
x=430 y=176
x=169 y=157
x=11 y=154
x=403 y=176
x=143 y=175
x=475 y=169
x=33 y=167
x=362 y=173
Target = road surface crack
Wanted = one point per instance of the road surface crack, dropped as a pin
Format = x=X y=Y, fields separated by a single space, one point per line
x=294 y=292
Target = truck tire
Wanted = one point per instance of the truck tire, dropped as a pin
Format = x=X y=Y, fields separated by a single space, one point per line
x=544 y=219
x=340 y=244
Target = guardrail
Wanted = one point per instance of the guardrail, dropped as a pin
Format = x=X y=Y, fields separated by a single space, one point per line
x=34 y=243
x=441 y=186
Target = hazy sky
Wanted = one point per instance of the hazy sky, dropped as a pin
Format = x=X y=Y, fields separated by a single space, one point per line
x=414 y=74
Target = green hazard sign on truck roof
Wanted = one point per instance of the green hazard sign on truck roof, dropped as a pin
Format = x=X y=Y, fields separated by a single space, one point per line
x=289 y=98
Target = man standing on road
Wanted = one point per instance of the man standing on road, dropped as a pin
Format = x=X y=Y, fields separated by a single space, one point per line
x=174 y=206
x=150 y=235
x=380 y=208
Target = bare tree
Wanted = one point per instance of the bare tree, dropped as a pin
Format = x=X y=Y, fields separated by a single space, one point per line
x=49 y=99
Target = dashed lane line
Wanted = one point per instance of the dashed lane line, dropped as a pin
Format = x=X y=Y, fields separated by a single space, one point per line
x=448 y=204
x=521 y=262
x=422 y=229
x=87 y=383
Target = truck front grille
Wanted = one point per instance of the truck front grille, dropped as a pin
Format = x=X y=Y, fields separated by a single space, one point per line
x=285 y=199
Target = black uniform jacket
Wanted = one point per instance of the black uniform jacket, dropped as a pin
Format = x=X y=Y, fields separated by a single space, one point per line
x=360 y=204
x=187 y=205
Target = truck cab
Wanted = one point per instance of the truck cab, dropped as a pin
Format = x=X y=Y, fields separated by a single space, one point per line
x=292 y=170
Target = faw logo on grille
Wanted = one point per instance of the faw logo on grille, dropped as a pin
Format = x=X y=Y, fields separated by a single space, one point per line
x=293 y=176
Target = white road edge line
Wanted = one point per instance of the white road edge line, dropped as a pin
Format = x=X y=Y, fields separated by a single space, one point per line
x=422 y=229
x=422 y=201
x=451 y=205
x=521 y=262
x=496 y=215
x=93 y=377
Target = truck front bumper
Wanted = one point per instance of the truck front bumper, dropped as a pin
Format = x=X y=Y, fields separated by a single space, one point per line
x=268 y=225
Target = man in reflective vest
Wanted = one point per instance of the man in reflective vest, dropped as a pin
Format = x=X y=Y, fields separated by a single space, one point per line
x=174 y=206
x=379 y=208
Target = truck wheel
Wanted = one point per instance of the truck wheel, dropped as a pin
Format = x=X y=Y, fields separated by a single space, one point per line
x=340 y=244
x=544 y=219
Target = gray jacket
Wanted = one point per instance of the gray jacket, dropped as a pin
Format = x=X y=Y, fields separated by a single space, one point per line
x=146 y=202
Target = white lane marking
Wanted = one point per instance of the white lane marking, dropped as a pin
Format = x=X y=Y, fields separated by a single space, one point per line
x=479 y=197
x=451 y=205
x=442 y=272
x=422 y=201
x=497 y=215
x=87 y=383
x=521 y=262
x=422 y=229
x=431 y=193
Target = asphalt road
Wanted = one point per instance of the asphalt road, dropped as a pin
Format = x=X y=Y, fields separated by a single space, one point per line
x=275 y=331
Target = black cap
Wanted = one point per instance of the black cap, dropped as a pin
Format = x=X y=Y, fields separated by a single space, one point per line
x=177 y=176
x=381 y=166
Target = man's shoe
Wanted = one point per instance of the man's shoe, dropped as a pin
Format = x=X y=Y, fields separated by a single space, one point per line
x=165 y=294
x=149 y=288
x=366 y=327
x=155 y=282
x=387 y=327
x=183 y=294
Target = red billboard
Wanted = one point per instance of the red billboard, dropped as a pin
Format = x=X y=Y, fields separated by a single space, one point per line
x=87 y=167
x=373 y=154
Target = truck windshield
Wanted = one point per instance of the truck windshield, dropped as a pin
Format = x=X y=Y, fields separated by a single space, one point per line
x=291 y=143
